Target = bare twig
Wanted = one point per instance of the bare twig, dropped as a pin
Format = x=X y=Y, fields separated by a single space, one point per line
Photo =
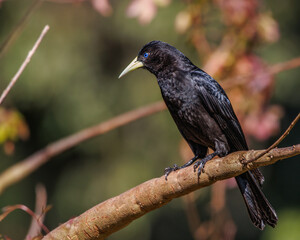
x=9 y=209
x=40 y=207
x=113 y=214
x=18 y=28
x=31 y=163
x=280 y=67
x=275 y=144
x=24 y=64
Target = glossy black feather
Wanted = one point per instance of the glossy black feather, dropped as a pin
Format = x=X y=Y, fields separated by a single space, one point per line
x=205 y=118
x=216 y=102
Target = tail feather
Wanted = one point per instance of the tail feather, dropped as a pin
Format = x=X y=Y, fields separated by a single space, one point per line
x=260 y=210
x=258 y=176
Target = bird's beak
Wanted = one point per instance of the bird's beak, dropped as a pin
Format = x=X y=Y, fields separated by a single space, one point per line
x=135 y=64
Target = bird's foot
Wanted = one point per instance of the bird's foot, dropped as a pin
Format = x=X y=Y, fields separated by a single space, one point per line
x=200 y=165
x=168 y=170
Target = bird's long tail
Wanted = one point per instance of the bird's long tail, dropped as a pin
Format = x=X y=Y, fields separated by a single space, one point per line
x=260 y=210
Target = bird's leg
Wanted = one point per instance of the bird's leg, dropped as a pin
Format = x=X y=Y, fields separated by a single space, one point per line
x=201 y=163
x=168 y=170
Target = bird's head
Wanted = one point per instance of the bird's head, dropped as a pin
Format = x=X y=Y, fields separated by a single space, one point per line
x=156 y=57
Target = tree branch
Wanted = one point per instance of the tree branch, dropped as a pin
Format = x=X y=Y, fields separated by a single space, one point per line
x=113 y=214
x=31 y=163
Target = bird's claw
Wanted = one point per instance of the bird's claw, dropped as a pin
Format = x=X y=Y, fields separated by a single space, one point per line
x=200 y=165
x=168 y=170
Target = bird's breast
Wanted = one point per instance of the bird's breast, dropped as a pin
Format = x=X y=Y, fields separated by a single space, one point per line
x=179 y=94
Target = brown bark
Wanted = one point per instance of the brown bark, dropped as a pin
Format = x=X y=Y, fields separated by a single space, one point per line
x=113 y=214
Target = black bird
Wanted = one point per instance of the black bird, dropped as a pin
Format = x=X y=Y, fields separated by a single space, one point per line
x=204 y=117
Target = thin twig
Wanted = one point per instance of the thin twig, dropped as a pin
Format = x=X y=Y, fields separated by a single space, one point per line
x=18 y=28
x=24 y=64
x=9 y=209
x=40 y=206
x=279 y=67
x=275 y=144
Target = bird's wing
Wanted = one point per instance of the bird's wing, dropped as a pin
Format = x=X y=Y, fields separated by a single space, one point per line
x=216 y=102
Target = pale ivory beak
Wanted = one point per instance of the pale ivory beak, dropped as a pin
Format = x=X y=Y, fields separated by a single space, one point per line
x=135 y=64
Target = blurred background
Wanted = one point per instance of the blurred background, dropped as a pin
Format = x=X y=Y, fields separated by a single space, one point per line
x=72 y=83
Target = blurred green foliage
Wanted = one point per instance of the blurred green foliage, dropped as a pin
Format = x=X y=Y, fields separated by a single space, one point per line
x=12 y=126
x=72 y=83
x=289 y=229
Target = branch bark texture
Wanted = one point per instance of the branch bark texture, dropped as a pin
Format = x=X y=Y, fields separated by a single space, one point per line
x=117 y=212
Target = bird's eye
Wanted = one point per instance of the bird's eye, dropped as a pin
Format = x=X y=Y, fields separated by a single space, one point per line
x=146 y=55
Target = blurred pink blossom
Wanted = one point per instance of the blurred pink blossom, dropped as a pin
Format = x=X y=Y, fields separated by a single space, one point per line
x=264 y=124
x=102 y=6
x=268 y=28
x=237 y=12
x=145 y=10
x=262 y=80
x=183 y=21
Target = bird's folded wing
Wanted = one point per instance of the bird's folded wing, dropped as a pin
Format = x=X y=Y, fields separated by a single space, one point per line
x=216 y=102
